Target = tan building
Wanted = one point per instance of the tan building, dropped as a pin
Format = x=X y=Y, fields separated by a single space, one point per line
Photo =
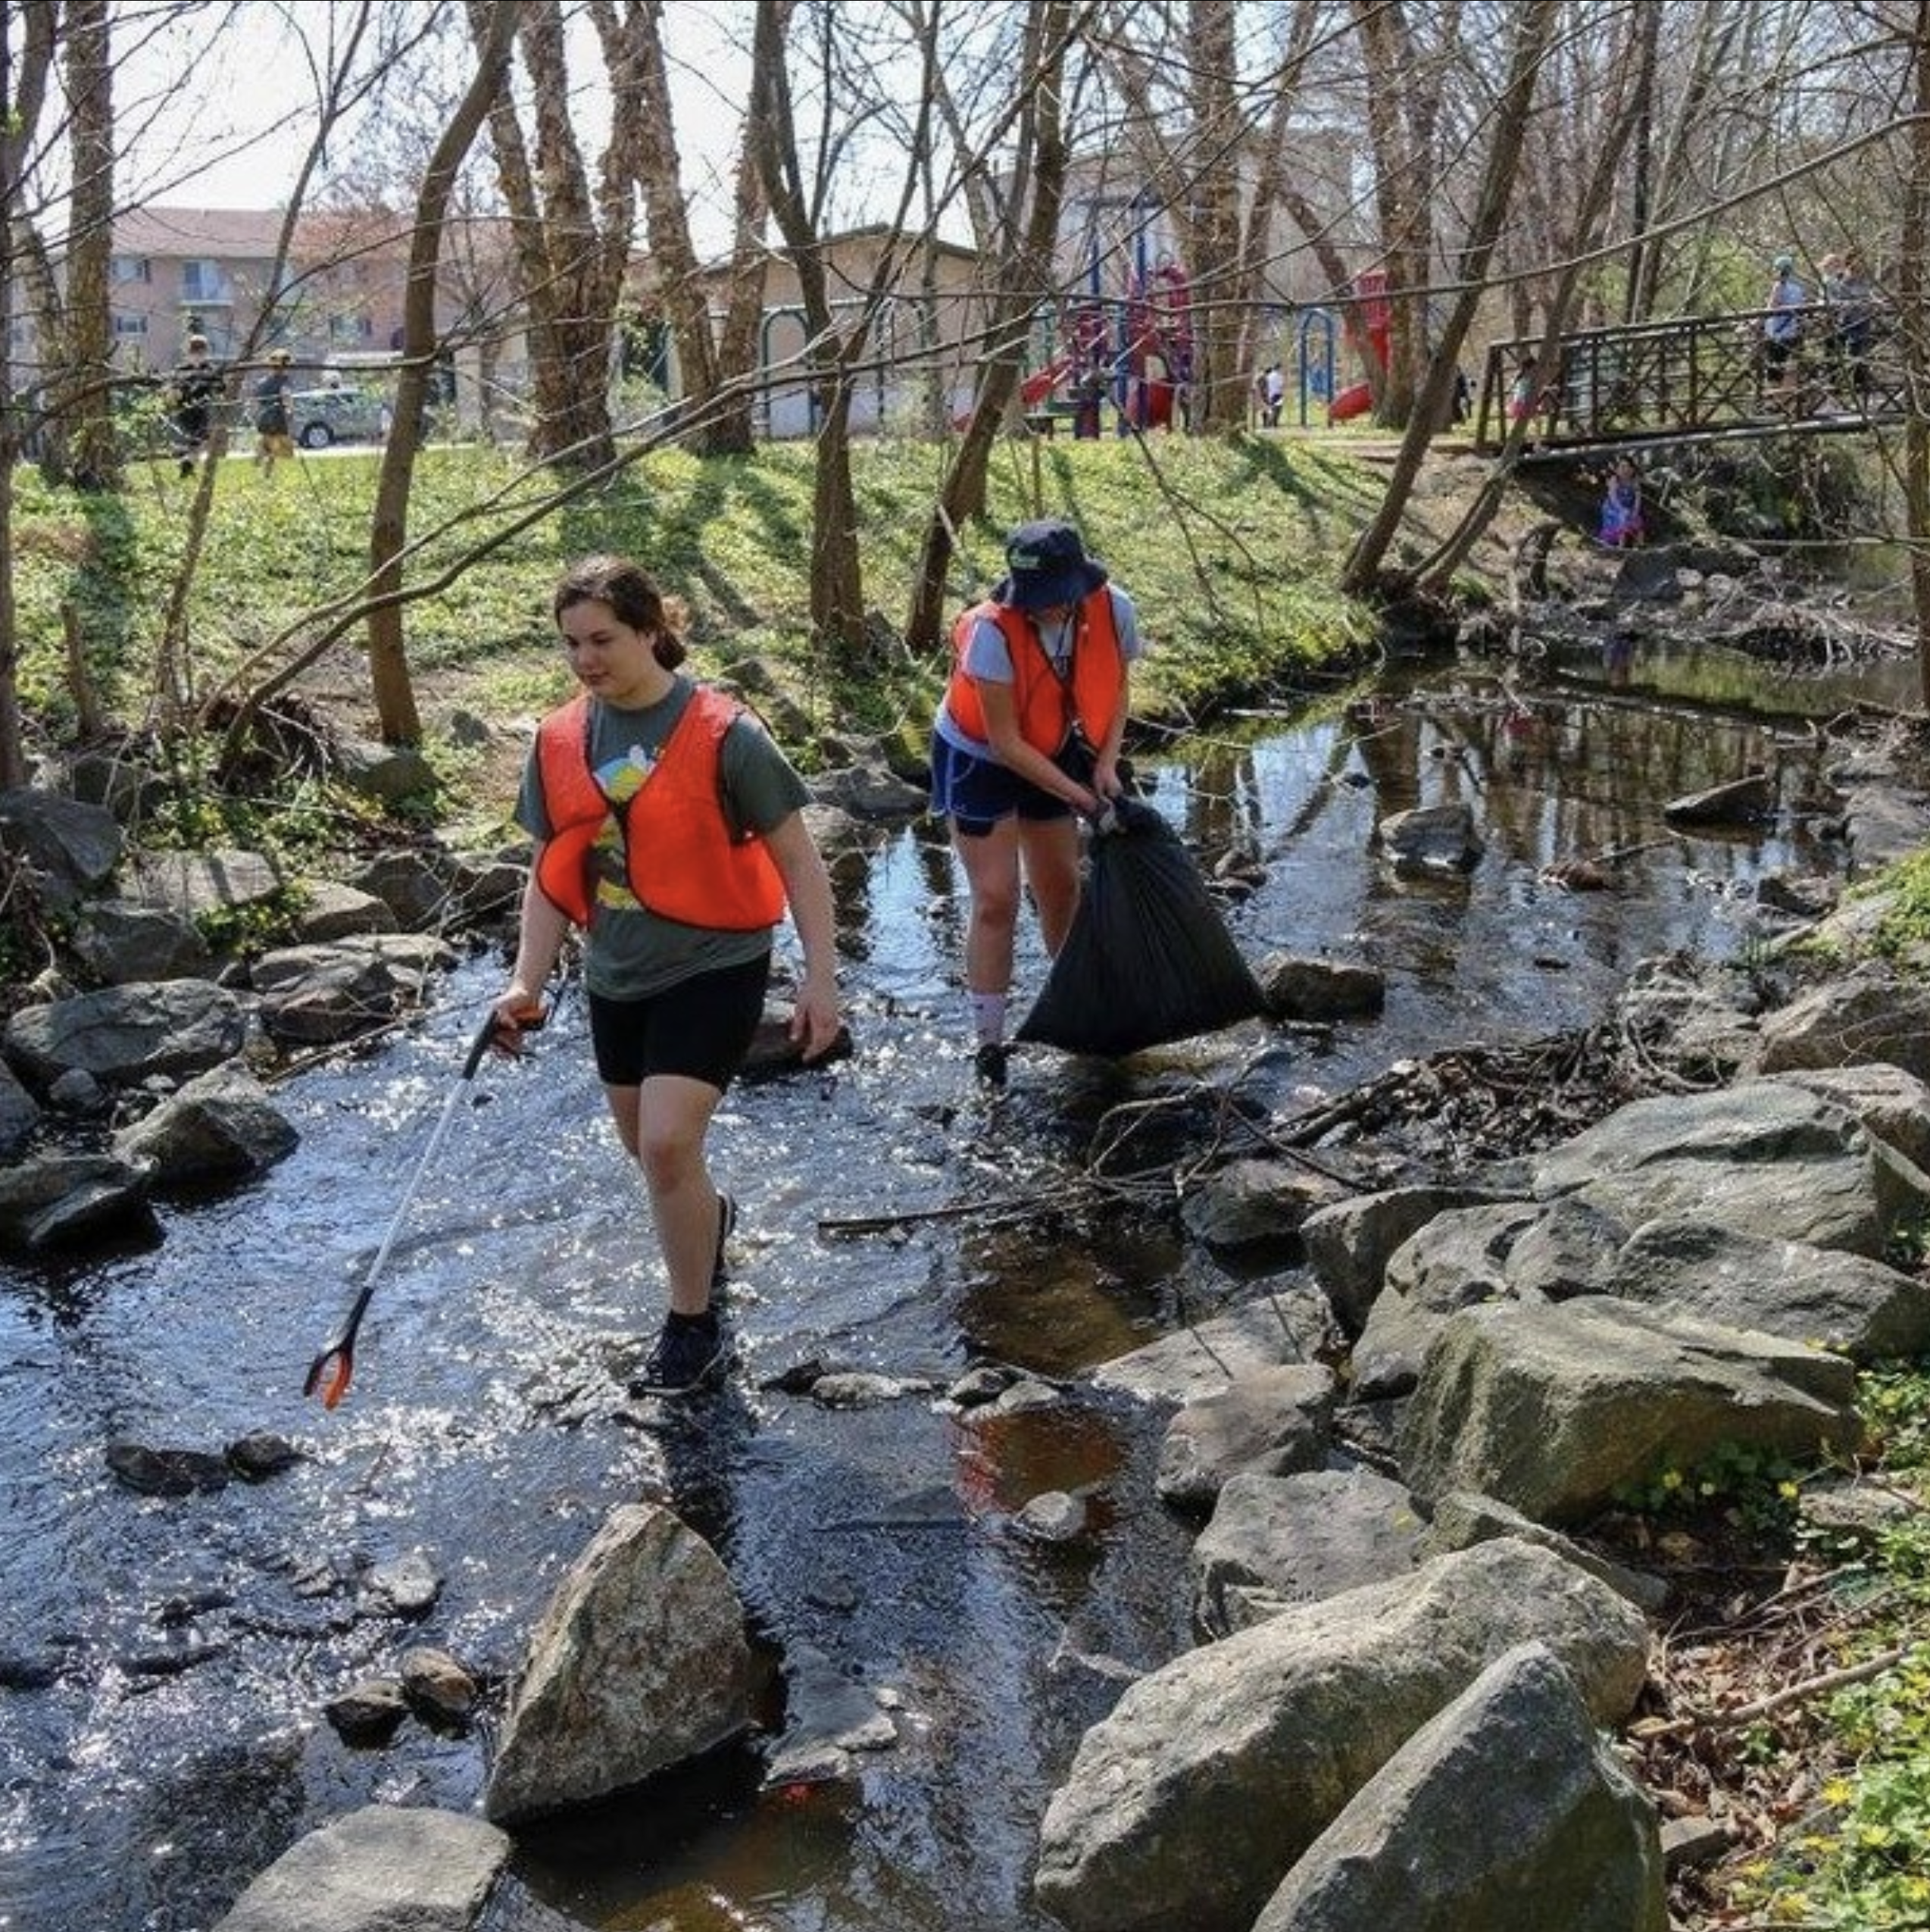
x=921 y=360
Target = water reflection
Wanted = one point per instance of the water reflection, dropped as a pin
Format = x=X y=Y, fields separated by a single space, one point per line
x=875 y=1550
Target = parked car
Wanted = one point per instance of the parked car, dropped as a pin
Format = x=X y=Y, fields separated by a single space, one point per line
x=318 y=417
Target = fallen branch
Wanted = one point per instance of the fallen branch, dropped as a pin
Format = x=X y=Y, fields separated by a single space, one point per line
x=1741 y=1714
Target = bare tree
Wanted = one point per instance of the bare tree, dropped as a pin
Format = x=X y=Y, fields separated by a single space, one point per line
x=87 y=394
x=1534 y=23
x=715 y=393
x=1016 y=213
x=23 y=93
x=836 y=342
x=1405 y=75
x=572 y=247
x=1913 y=293
x=388 y=668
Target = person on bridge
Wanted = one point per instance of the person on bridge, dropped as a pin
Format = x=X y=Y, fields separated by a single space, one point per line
x=1027 y=734
x=1851 y=298
x=1782 y=333
x=1622 y=506
x=669 y=827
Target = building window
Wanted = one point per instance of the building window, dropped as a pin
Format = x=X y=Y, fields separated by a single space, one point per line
x=123 y=268
x=203 y=281
x=133 y=326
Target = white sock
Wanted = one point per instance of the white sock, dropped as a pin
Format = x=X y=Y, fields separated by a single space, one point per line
x=988 y=1016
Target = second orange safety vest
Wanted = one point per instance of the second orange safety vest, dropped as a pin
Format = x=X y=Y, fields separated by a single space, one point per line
x=1048 y=704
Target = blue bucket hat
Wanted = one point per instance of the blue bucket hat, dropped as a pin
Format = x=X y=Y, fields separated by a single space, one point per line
x=1046 y=564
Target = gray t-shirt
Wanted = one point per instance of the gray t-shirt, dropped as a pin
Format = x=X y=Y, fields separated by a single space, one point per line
x=631 y=952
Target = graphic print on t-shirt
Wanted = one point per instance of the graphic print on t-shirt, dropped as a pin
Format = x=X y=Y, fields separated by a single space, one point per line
x=619 y=781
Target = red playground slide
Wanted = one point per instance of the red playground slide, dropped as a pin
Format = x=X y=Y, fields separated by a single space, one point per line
x=1354 y=400
x=1041 y=384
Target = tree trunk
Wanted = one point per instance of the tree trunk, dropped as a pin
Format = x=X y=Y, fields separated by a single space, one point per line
x=88 y=375
x=637 y=50
x=1024 y=274
x=1913 y=291
x=1534 y=25
x=729 y=429
x=1435 y=571
x=831 y=353
x=569 y=289
x=389 y=667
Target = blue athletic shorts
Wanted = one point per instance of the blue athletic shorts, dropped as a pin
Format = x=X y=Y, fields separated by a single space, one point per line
x=976 y=793
x=701 y=1027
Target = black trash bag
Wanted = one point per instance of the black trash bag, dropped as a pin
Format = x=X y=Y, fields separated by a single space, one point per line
x=1148 y=959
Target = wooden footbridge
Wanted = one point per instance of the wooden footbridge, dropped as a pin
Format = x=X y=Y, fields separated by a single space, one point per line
x=1697 y=379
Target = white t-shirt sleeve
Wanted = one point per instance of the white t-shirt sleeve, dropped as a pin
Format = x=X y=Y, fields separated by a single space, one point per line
x=988 y=656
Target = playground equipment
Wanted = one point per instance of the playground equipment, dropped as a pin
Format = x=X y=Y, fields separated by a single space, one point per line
x=1370 y=292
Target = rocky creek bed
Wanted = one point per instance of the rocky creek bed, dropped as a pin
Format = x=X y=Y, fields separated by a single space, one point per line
x=1528 y=1274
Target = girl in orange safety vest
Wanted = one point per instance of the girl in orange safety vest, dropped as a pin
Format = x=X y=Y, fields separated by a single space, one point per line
x=668 y=826
x=1029 y=733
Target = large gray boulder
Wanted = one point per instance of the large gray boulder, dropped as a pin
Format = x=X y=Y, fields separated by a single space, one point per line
x=125 y=1034
x=1870 y=1014
x=72 y=847
x=1248 y=1202
x=1773 y=1159
x=196 y=885
x=318 y=995
x=1189 y=1805
x=1554 y=1408
x=1203 y=1359
x=1276 y=1541
x=1270 y=1423
x=1504 y=1812
x=639 y=1662
x=380 y=1869
x=121 y=942
x=221 y=1126
x=1862 y=1308
x=52 y=1201
x=19 y=1114
x=1894 y=1105
x=1348 y=1245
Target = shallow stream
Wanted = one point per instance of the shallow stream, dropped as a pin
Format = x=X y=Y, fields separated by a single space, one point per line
x=166 y=1661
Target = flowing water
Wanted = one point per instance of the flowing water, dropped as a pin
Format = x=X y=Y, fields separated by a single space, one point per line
x=164 y=1662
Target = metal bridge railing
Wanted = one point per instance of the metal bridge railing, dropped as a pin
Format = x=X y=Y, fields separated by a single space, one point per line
x=1702 y=375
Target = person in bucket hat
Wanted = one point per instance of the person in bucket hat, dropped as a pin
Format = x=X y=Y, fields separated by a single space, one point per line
x=1027 y=736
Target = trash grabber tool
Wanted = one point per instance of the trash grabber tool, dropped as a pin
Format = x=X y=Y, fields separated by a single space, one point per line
x=330 y=1373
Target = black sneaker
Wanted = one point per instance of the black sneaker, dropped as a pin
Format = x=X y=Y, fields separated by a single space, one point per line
x=726 y=1226
x=989 y=1065
x=692 y=1353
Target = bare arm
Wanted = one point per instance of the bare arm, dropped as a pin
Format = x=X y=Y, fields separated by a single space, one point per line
x=540 y=933
x=1105 y=768
x=814 y=1022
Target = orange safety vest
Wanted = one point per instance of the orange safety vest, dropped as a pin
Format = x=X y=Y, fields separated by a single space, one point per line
x=1048 y=705
x=680 y=858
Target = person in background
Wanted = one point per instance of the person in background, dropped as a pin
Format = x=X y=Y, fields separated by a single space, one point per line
x=1782 y=333
x=1622 y=506
x=192 y=386
x=1027 y=735
x=1852 y=299
x=272 y=437
x=668 y=827
x=1272 y=394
